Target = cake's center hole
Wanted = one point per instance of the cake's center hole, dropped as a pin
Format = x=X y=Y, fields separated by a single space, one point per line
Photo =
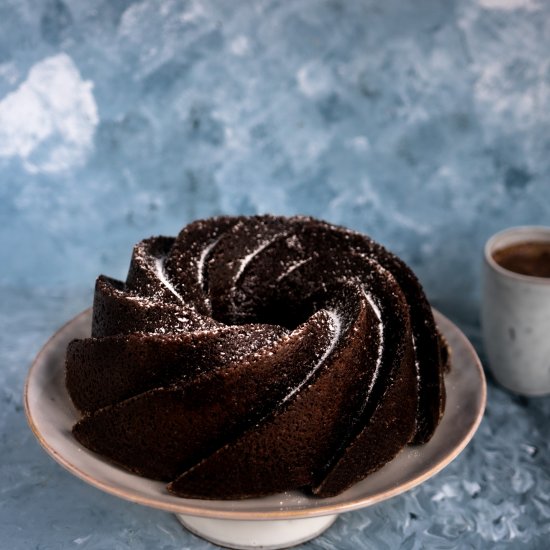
x=288 y=312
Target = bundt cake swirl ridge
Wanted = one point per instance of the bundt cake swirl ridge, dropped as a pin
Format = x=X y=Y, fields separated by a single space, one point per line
x=286 y=352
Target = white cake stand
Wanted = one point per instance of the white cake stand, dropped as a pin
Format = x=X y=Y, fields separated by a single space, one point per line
x=278 y=521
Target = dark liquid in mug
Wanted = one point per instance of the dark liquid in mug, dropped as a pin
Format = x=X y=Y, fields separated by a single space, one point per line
x=527 y=258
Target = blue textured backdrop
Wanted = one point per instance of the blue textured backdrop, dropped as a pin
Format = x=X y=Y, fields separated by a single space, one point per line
x=425 y=124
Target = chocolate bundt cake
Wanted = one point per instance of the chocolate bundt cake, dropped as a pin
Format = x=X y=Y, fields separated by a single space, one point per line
x=254 y=355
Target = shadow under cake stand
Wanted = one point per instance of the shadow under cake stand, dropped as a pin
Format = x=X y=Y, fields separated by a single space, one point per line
x=278 y=521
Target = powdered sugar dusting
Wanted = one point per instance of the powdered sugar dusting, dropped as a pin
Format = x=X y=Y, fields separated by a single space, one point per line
x=378 y=314
x=249 y=257
x=163 y=277
x=416 y=363
x=202 y=260
x=336 y=329
x=291 y=268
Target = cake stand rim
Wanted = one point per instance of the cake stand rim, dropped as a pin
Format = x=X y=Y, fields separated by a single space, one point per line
x=186 y=507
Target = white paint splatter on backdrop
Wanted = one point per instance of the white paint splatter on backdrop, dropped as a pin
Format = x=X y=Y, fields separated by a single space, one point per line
x=314 y=79
x=240 y=45
x=508 y=5
x=50 y=119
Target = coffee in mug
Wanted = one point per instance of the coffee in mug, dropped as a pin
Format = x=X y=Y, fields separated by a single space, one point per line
x=516 y=308
x=527 y=258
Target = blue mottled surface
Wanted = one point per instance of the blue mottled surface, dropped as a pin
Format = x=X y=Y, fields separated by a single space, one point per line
x=425 y=124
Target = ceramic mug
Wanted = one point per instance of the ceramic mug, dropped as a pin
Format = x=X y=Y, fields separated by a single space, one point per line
x=516 y=317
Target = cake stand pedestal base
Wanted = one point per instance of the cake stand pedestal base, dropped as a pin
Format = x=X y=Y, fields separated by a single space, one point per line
x=265 y=534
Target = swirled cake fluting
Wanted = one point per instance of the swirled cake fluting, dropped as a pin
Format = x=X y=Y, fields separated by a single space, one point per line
x=254 y=355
